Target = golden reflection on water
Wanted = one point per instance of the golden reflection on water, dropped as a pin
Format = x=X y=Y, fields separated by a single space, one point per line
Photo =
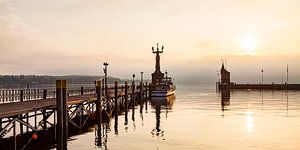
x=194 y=122
x=249 y=122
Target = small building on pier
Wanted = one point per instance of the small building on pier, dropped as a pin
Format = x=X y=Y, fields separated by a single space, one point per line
x=225 y=76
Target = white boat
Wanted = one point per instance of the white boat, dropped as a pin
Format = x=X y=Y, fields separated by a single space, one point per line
x=163 y=89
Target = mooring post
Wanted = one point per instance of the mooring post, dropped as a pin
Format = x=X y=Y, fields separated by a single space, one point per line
x=15 y=137
x=116 y=98
x=99 y=111
x=141 y=92
x=116 y=108
x=141 y=97
x=146 y=91
x=133 y=95
x=133 y=100
x=62 y=120
x=44 y=111
x=126 y=102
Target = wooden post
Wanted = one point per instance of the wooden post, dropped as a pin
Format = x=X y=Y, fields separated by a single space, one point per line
x=126 y=103
x=116 y=108
x=44 y=94
x=146 y=91
x=141 y=97
x=21 y=95
x=81 y=90
x=62 y=120
x=21 y=125
x=99 y=111
x=116 y=98
x=141 y=92
x=0 y=125
x=44 y=111
x=133 y=100
x=15 y=137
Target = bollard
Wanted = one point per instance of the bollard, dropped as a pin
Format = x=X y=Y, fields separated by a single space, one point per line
x=62 y=120
x=99 y=111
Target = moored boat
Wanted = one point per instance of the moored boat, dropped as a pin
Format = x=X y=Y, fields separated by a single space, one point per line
x=162 y=85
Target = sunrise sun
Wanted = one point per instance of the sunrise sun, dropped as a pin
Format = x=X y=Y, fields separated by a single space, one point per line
x=248 y=45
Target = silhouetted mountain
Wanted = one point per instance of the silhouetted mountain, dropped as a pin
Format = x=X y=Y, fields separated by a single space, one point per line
x=21 y=81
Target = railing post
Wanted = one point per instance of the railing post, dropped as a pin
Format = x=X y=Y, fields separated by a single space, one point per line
x=44 y=93
x=99 y=111
x=21 y=95
x=81 y=90
x=62 y=120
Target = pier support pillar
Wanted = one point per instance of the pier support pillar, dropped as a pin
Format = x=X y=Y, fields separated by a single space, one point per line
x=99 y=112
x=116 y=98
x=133 y=100
x=62 y=120
x=116 y=108
x=141 y=97
x=126 y=103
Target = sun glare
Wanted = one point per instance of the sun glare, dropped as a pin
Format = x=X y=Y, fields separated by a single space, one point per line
x=248 y=45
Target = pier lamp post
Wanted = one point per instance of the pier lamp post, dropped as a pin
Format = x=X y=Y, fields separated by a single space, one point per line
x=166 y=74
x=133 y=76
x=262 y=76
x=105 y=79
x=142 y=76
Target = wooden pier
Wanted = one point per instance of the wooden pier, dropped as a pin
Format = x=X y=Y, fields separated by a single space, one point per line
x=31 y=111
x=225 y=83
x=260 y=86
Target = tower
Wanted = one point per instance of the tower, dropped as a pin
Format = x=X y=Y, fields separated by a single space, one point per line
x=225 y=75
x=157 y=76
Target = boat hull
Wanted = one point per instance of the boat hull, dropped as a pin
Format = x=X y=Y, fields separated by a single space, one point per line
x=162 y=93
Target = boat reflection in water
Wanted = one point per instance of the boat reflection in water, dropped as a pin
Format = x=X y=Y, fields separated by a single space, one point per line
x=159 y=103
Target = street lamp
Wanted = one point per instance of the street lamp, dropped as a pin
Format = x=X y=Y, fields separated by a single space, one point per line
x=142 y=77
x=133 y=76
x=262 y=76
x=105 y=77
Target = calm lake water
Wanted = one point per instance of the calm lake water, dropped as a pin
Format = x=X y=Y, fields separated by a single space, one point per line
x=200 y=119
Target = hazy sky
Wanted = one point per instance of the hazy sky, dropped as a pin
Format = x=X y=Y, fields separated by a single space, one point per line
x=76 y=36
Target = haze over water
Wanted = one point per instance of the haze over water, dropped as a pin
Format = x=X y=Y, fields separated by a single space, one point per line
x=199 y=119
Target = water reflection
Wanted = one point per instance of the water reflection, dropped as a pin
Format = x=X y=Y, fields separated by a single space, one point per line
x=225 y=98
x=158 y=103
